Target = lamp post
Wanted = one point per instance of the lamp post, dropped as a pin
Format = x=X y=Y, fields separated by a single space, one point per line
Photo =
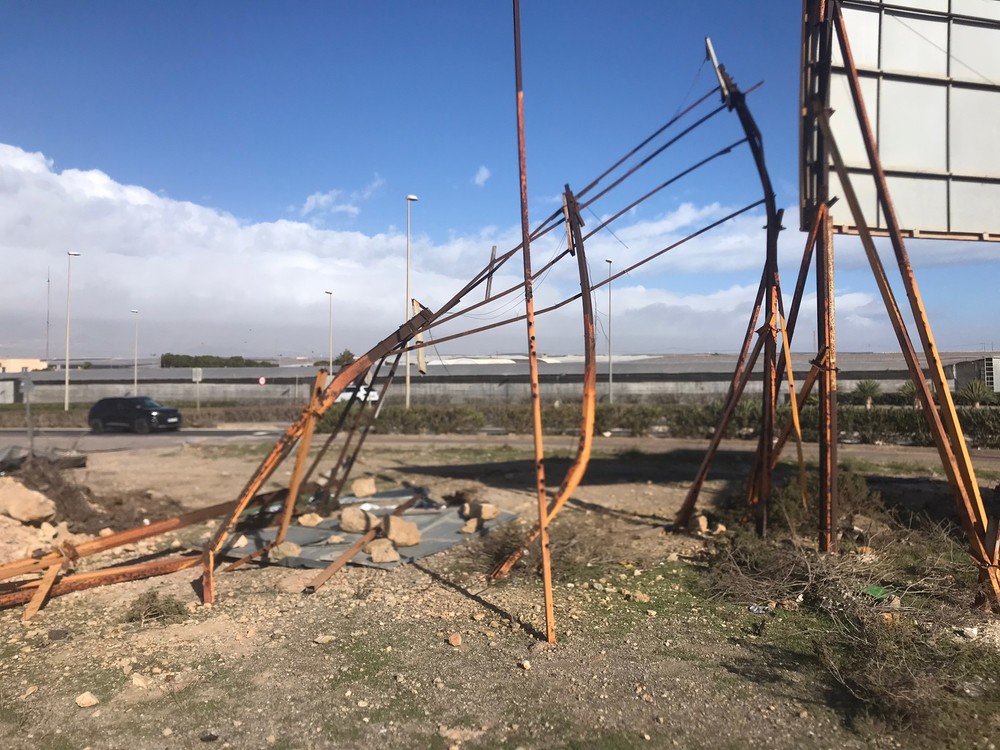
x=135 y=355
x=611 y=379
x=330 y=295
x=406 y=307
x=69 y=267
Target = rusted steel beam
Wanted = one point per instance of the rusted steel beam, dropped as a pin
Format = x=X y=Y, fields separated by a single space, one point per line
x=121 y=538
x=965 y=501
x=529 y=311
x=741 y=375
x=351 y=552
x=80 y=581
x=42 y=592
x=589 y=400
x=365 y=431
x=949 y=417
x=311 y=416
x=827 y=345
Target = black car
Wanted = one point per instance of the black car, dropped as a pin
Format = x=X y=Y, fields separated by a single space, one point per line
x=137 y=413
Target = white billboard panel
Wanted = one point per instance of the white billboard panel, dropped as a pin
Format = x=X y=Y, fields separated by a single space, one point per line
x=930 y=77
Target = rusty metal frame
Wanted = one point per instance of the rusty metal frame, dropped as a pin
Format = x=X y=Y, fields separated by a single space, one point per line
x=577 y=469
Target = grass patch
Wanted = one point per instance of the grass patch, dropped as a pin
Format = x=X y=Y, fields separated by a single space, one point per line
x=152 y=607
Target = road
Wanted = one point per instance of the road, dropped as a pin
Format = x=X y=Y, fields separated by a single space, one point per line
x=87 y=442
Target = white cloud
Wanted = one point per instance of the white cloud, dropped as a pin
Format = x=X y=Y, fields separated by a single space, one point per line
x=482 y=175
x=338 y=201
x=207 y=282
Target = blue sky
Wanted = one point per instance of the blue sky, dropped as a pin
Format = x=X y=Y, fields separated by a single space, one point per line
x=220 y=165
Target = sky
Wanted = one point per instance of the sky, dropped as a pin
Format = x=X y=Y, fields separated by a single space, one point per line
x=221 y=166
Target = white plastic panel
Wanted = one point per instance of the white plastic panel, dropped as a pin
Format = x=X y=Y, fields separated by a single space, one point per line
x=974 y=124
x=931 y=84
x=912 y=126
x=989 y=9
x=975 y=53
x=975 y=206
x=919 y=203
x=915 y=45
x=863 y=25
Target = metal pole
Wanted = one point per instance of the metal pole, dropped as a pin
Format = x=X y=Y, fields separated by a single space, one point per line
x=406 y=303
x=48 y=309
x=135 y=356
x=330 y=361
x=611 y=377
x=69 y=267
x=529 y=305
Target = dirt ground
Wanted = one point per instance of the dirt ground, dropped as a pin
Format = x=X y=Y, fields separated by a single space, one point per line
x=429 y=654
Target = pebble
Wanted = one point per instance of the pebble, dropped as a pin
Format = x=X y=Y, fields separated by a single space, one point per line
x=86 y=700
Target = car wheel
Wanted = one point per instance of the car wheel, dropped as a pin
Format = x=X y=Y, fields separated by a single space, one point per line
x=142 y=426
x=96 y=425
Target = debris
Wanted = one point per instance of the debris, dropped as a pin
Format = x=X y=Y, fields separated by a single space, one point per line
x=472 y=526
x=636 y=596
x=970 y=633
x=382 y=551
x=455 y=639
x=401 y=532
x=140 y=681
x=324 y=639
x=761 y=609
x=86 y=700
x=363 y=487
x=526 y=665
x=310 y=519
x=698 y=524
x=334 y=539
x=356 y=521
x=485 y=511
x=283 y=550
x=22 y=504
x=718 y=528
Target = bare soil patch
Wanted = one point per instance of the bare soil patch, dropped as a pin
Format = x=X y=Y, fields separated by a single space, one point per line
x=432 y=654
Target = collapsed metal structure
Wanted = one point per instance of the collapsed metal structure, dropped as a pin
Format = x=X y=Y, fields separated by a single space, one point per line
x=50 y=571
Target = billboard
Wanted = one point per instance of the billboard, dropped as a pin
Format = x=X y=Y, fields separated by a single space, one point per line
x=930 y=77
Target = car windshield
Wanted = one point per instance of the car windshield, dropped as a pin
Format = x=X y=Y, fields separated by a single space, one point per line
x=146 y=403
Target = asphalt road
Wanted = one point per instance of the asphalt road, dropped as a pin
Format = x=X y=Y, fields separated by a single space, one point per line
x=88 y=442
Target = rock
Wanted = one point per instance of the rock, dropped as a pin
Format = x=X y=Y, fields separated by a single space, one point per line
x=382 y=551
x=310 y=519
x=105 y=532
x=241 y=541
x=401 y=532
x=970 y=633
x=140 y=681
x=356 y=521
x=22 y=504
x=334 y=539
x=637 y=596
x=285 y=549
x=363 y=487
x=698 y=524
x=471 y=526
x=718 y=528
x=167 y=731
x=324 y=639
x=455 y=639
x=485 y=511
x=525 y=665
x=86 y=700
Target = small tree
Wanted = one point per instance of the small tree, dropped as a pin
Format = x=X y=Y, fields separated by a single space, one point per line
x=346 y=357
x=908 y=391
x=976 y=392
x=867 y=390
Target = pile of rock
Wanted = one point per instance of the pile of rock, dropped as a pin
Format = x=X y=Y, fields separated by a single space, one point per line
x=396 y=532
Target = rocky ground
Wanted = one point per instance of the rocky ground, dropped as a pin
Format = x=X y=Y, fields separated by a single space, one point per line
x=429 y=654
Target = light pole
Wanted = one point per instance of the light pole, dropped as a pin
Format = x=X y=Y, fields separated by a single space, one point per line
x=407 y=307
x=69 y=267
x=611 y=379
x=135 y=356
x=330 y=294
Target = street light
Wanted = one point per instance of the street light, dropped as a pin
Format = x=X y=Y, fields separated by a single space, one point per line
x=135 y=356
x=69 y=267
x=407 y=308
x=331 y=331
x=611 y=379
